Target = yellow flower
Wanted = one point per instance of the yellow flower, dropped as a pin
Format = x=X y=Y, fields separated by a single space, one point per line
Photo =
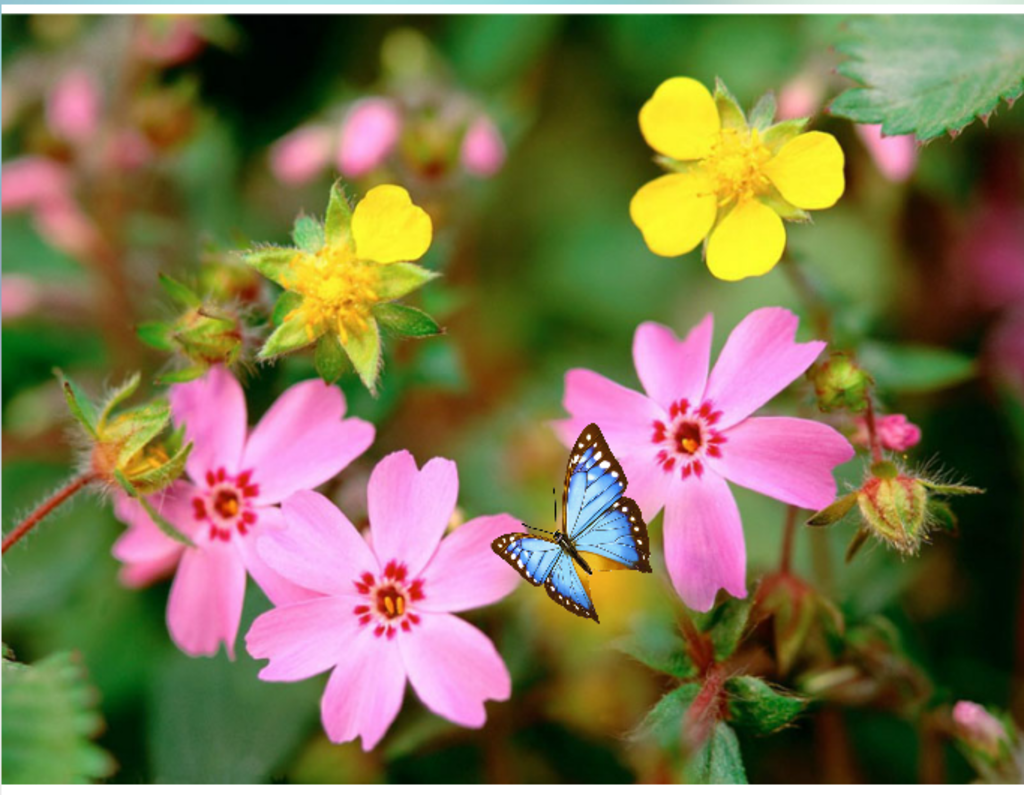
x=342 y=278
x=732 y=182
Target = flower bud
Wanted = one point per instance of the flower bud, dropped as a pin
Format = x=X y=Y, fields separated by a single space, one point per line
x=839 y=383
x=483 y=150
x=895 y=507
x=207 y=337
x=894 y=432
x=978 y=728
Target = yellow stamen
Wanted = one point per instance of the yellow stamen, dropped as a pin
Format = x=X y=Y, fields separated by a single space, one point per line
x=736 y=165
x=339 y=291
x=401 y=606
x=389 y=605
x=690 y=445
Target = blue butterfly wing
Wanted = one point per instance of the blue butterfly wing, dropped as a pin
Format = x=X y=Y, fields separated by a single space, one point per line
x=543 y=562
x=618 y=539
x=593 y=482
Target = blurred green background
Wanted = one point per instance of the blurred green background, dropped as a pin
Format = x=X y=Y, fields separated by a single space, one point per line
x=543 y=271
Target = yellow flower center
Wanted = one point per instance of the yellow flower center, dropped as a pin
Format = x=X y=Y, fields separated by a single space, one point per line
x=736 y=165
x=339 y=291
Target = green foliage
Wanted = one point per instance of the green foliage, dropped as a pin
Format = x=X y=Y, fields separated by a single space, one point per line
x=401 y=278
x=49 y=716
x=718 y=761
x=330 y=358
x=662 y=650
x=915 y=368
x=274 y=262
x=930 y=75
x=308 y=234
x=756 y=705
x=289 y=336
x=339 y=216
x=406 y=321
x=728 y=623
x=81 y=406
x=363 y=351
x=664 y=723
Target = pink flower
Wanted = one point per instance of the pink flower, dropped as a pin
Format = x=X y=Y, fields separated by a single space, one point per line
x=1004 y=347
x=168 y=40
x=32 y=182
x=368 y=134
x=483 y=150
x=978 y=728
x=895 y=432
x=73 y=107
x=301 y=442
x=691 y=433
x=387 y=604
x=895 y=155
x=20 y=295
x=800 y=97
x=302 y=154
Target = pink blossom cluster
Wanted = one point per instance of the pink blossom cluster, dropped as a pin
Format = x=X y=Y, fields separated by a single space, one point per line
x=368 y=135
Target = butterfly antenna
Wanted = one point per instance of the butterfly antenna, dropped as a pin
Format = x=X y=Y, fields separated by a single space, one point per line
x=554 y=499
x=537 y=529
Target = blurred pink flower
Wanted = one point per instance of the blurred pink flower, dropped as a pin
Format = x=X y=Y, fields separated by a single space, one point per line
x=895 y=432
x=483 y=150
x=993 y=253
x=128 y=150
x=368 y=134
x=895 y=155
x=73 y=107
x=1004 y=347
x=31 y=181
x=302 y=154
x=167 y=41
x=386 y=612
x=65 y=227
x=301 y=442
x=691 y=433
x=19 y=296
x=800 y=97
x=978 y=728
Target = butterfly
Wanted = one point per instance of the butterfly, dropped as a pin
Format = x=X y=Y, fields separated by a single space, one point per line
x=601 y=529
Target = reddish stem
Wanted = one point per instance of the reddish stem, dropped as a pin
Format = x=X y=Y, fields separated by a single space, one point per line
x=869 y=419
x=706 y=708
x=788 y=534
x=47 y=507
x=699 y=645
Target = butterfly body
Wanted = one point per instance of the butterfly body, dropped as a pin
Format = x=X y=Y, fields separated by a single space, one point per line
x=601 y=529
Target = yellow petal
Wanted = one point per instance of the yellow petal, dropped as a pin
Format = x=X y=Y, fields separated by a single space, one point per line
x=808 y=171
x=674 y=212
x=387 y=227
x=748 y=242
x=681 y=119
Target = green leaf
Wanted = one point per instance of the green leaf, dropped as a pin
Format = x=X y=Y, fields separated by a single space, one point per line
x=330 y=358
x=184 y=375
x=212 y=721
x=49 y=714
x=930 y=75
x=406 y=320
x=778 y=135
x=914 y=368
x=155 y=335
x=664 y=723
x=763 y=113
x=164 y=526
x=286 y=303
x=950 y=488
x=755 y=705
x=339 y=217
x=834 y=512
x=178 y=291
x=308 y=234
x=289 y=336
x=401 y=278
x=82 y=408
x=718 y=761
x=728 y=622
x=729 y=110
x=133 y=429
x=663 y=651
x=364 y=352
x=273 y=262
x=118 y=396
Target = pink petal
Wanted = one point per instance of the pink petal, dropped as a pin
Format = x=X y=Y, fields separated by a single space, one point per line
x=279 y=590
x=704 y=547
x=148 y=553
x=410 y=508
x=303 y=639
x=671 y=370
x=212 y=408
x=319 y=549
x=302 y=441
x=788 y=459
x=895 y=155
x=73 y=107
x=145 y=573
x=368 y=134
x=464 y=572
x=648 y=483
x=454 y=668
x=365 y=691
x=302 y=154
x=32 y=182
x=205 y=605
x=483 y=150
x=759 y=360
x=590 y=397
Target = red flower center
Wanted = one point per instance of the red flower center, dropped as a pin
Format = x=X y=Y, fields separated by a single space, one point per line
x=226 y=504
x=687 y=438
x=389 y=600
